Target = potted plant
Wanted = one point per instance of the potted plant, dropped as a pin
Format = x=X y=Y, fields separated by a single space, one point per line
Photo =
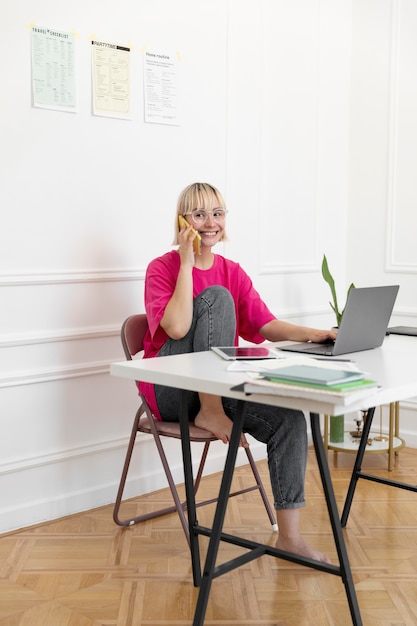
x=325 y=272
x=337 y=423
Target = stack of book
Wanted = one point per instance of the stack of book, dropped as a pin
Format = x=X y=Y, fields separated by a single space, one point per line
x=313 y=382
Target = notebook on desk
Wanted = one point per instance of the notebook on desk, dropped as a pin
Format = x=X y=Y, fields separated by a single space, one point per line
x=364 y=323
x=409 y=331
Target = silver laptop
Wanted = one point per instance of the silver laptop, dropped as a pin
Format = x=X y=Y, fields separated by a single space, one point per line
x=364 y=323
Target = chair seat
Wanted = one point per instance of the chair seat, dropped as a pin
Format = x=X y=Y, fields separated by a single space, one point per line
x=172 y=429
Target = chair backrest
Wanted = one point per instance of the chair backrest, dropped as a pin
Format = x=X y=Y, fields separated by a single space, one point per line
x=133 y=333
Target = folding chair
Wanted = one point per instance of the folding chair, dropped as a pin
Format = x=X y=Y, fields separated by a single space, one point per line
x=132 y=335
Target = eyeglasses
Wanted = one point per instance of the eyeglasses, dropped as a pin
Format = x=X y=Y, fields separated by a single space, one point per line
x=200 y=216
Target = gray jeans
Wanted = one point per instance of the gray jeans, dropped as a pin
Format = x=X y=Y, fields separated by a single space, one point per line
x=282 y=430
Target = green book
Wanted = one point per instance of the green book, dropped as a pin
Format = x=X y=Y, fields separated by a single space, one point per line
x=342 y=388
x=324 y=376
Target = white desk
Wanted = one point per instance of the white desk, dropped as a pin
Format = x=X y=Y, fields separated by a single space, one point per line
x=392 y=365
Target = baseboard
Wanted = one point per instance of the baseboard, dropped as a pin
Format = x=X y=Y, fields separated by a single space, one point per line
x=45 y=488
x=90 y=480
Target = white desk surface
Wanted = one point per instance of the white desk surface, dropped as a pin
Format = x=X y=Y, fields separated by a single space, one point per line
x=393 y=366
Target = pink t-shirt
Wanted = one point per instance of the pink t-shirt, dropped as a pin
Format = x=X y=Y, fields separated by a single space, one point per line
x=161 y=277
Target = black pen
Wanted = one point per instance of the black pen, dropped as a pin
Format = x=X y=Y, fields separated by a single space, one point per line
x=330 y=358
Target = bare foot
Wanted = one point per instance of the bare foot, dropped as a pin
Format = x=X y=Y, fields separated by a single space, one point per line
x=297 y=545
x=219 y=424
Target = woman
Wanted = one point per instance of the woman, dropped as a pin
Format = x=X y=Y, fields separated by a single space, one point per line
x=196 y=301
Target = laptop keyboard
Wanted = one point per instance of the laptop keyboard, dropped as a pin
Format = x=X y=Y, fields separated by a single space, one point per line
x=321 y=348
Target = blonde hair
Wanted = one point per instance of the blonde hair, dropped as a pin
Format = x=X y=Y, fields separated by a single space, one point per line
x=198 y=196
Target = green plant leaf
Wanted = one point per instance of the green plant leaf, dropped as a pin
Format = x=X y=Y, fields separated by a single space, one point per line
x=330 y=281
x=351 y=286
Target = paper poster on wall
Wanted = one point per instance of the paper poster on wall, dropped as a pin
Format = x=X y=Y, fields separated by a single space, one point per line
x=111 y=79
x=161 y=88
x=53 y=73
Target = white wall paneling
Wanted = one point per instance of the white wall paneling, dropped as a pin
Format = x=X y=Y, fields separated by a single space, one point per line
x=289 y=192
x=298 y=111
x=88 y=202
x=382 y=150
x=402 y=157
x=289 y=135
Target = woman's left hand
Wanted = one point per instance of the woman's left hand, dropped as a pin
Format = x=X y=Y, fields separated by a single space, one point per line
x=321 y=336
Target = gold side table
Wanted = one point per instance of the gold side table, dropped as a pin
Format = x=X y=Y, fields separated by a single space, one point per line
x=391 y=444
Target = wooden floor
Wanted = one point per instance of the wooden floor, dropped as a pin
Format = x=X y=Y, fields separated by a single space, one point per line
x=85 y=571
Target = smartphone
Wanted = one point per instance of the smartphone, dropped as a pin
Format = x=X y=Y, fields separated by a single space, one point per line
x=197 y=239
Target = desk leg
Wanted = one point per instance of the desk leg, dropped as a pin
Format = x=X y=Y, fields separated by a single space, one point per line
x=345 y=570
x=219 y=517
x=189 y=487
x=358 y=465
x=326 y=433
x=391 y=436
x=397 y=422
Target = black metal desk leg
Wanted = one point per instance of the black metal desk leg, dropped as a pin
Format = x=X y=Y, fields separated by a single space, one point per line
x=334 y=519
x=189 y=488
x=358 y=465
x=219 y=517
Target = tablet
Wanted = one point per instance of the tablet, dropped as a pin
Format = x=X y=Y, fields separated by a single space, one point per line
x=234 y=353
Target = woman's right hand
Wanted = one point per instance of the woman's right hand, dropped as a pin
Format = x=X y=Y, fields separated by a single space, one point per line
x=178 y=314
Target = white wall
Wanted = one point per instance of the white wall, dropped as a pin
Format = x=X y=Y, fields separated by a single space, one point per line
x=288 y=147
x=382 y=224
x=288 y=107
x=383 y=156
x=87 y=202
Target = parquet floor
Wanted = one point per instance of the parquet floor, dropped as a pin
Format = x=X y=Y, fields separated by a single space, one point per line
x=85 y=571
